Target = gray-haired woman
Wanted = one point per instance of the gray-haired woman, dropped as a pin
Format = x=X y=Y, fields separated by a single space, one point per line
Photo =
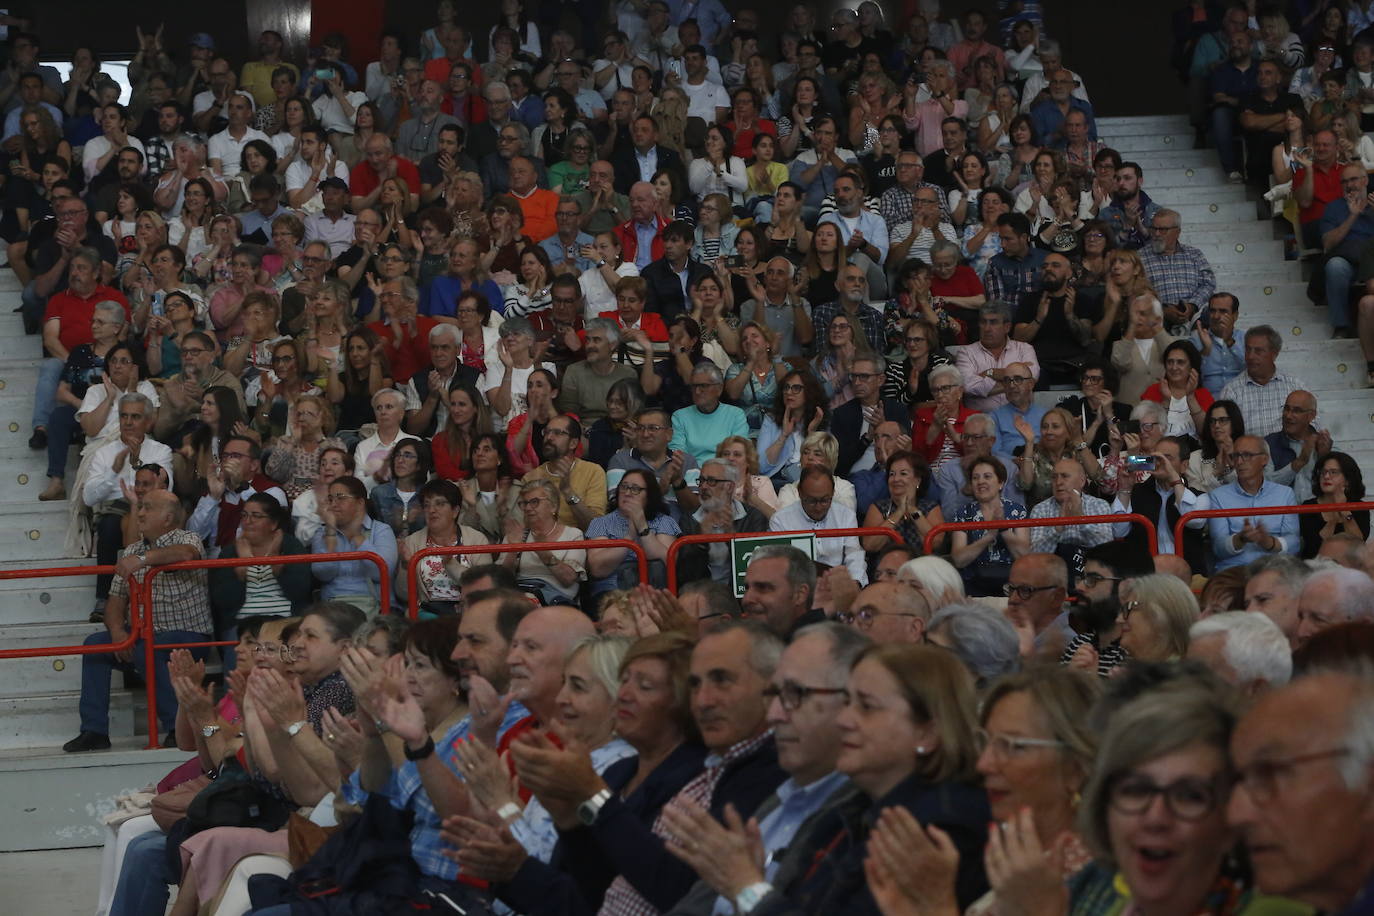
x=508 y=371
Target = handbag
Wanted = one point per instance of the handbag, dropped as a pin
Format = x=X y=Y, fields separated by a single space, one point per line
x=233 y=799
x=170 y=806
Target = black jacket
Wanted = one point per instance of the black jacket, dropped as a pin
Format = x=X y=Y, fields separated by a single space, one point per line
x=627 y=166
x=664 y=294
x=1145 y=501
x=694 y=560
x=847 y=421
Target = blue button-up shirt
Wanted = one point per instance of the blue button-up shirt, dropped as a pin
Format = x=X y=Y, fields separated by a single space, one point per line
x=355 y=577
x=1048 y=120
x=645 y=233
x=553 y=247
x=867 y=222
x=1233 y=496
x=779 y=827
x=648 y=163
x=1005 y=416
x=1225 y=362
x=711 y=17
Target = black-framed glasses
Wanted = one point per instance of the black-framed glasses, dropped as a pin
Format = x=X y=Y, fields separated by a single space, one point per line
x=1188 y=799
x=791 y=694
x=713 y=481
x=865 y=618
x=1093 y=580
x=794 y=388
x=1024 y=592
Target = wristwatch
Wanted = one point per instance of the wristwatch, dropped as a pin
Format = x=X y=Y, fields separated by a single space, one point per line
x=749 y=898
x=425 y=750
x=208 y=731
x=573 y=499
x=295 y=727
x=587 y=811
x=644 y=533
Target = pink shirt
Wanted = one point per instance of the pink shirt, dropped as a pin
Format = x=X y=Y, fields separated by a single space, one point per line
x=929 y=114
x=975 y=359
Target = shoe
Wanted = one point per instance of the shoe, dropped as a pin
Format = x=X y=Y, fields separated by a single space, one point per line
x=39 y=439
x=1235 y=178
x=87 y=741
x=170 y=740
x=98 y=612
x=1342 y=334
x=55 y=490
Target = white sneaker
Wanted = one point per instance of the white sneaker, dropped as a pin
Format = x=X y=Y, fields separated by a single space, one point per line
x=1235 y=178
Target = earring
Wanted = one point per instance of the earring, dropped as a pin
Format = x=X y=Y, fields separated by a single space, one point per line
x=920 y=750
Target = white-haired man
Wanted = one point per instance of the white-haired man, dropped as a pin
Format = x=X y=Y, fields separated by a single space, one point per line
x=1331 y=597
x=1248 y=651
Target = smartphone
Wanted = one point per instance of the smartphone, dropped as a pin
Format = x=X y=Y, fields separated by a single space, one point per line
x=734 y=261
x=96 y=375
x=1140 y=462
x=1131 y=426
x=324 y=73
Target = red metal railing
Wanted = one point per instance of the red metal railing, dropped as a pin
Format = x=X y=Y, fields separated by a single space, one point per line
x=135 y=621
x=671 y=560
x=146 y=586
x=1240 y=512
x=413 y=593
x=1061 y=522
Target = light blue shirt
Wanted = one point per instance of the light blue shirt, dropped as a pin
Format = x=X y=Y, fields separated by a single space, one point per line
x=1233 y=496
x=553 y=247
x=698 y=433
x=779 y=827
x=867 y=222
x=12 y=119
x=1005 y=418
x=709 y=14
x=355 y=577
x=645 y=233
x=648 y=163
x=1223 y=363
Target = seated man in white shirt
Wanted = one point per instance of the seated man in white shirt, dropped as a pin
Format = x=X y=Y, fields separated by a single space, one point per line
x=1163 y=498
x=226 y=147
x=315 y=164
x=1067 y=500
x=817 y=510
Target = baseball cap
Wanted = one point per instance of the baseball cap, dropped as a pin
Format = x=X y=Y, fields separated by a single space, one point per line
x=333 y=181
x=202 y=40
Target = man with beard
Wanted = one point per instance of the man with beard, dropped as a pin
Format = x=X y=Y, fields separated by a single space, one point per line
x=721 y=512
x=1105 y=567
x=852 y=285
x=419 y=136
x=581 y=483
x=1055 y=324
x=439 y=168
x=587 y=383
x=1232 y=80
x=1131 y=212
x=1179 y=274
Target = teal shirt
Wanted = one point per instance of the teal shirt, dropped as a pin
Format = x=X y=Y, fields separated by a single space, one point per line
x=698 y=433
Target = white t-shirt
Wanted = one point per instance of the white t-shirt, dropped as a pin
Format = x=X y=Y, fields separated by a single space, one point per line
x=95 y=396
x=596 y=294
x=331 y=114
x=496 y=374
x=98 y=147
x=229 y=151
x=703 y=100
x=196 y=245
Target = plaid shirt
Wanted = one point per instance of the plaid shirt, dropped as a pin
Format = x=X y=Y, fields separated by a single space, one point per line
x=1009 y=279
x=896 y=203
x=621 y=898
x=181 y=600
x=1261 y=405
x=869 y=317
x=1184 y=276
x=1044 y=540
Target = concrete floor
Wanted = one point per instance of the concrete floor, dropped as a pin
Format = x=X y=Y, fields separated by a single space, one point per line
x=51 y=882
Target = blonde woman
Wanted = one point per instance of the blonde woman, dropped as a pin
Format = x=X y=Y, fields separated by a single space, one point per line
x=1060 y=437
x=752 y=489
x=1156 y=613
x=1125 y=281
x=821 y=449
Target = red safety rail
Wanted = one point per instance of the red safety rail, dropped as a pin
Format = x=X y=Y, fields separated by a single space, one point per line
x=384 y=583
x=1060 y=522
x=413 y=599
x=135 y=620
x=1239 y=512
x=684 y=540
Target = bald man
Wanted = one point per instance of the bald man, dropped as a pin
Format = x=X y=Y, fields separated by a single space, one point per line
x=539 y=205
x=890 y=612
x=1020 y=412
x=1297 y=445
x=379 y=163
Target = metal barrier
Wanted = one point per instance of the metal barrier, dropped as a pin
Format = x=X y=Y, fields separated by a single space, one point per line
x=1239 y=512
x=413 y=600
x=671 y=560
x=135 y=618
x=1058 y=522
x=146 y=586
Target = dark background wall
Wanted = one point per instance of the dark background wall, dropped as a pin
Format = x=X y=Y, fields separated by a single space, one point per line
x=1120 y=48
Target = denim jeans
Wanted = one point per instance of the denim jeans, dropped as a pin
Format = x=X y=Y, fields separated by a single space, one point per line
x=143 y=881
x=34 y=305
x=1340 y=273
x=1224 y=136
x=95 y=679
x=109 y=540
x=60 y=424
x=45 y=395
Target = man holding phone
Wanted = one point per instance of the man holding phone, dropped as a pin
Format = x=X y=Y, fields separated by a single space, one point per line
x=1162 y=498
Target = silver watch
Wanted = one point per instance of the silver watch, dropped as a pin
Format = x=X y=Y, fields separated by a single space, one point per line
x=750 y=897
x=208 y=731
x=587 y=811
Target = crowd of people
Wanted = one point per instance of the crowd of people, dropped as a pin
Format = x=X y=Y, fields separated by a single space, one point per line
x=677 y=276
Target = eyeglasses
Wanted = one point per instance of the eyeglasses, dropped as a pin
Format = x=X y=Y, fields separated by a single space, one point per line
x=631 y=489
x=713 y=481
x=527 y=504
x=1010 y=747
x=1248 y=456
x=556 y=432
x=1093 y=580
x=1217 y=421
x=791 y=695
x=944 y=389
x=1017 y=379
x=255 y=516
x=1129 y=608
x=1261 y=778
x=794 y=388
x=862 y=375
x=1094 y=379
x=278 y=360
x=914 y=340
x=865 y=618
x=1187 y=799
x=1024 y=592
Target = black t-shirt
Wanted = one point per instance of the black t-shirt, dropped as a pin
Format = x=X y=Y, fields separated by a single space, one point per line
x=1054 y=338
x=1286 y=101
x=51 y=252
x=881 y=172
x=837 y=54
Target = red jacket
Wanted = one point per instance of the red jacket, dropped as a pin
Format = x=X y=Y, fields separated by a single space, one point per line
x=410 y=354
x=921 y=421
x=629 y=239
x=650 y=323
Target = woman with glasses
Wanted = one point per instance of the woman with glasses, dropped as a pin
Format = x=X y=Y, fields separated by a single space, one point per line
x=799 y=409
x=1153 y=813
x=294 y=459
x=714 y=237
x=752 y=383
x=282 y=385
x=1097 y=408
x=1156 y=613
x=211 y=266
x=1336 y=478
x=556 y=574
x=908 y=380
x=282 y=263
x=935 y=429
x=956 y=288
x=984 y=558
x=155 y=274
x=608 y=435
x=439 y=502
x=507 y=241
x=335 y=462
x=239 y=592
x=640 y=514
x=226 y=300
x=87 y=367
x=163 y=341
x=396 y=502
x=1213 y=465
x=908 y=509
x=569 y=176
x=347 y=527
x=1090 y=270
x=1180 y=391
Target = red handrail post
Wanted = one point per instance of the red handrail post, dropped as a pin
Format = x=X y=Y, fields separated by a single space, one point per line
x=670 y=561
x=1056 y=522
x=1240 y=511
x=383 y=583
x=413 y=593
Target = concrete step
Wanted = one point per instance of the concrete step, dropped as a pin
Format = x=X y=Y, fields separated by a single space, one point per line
x=1221 y=251
x=52 y=800
x=1209 y=212
x=1200 y=176
x=1177 y=158
x=32 y=531
x=1145 y=140
x=50 y=720
x=42 y=676
x=1142 y=124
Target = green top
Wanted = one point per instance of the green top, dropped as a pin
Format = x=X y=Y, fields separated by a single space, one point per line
x=1097 y=892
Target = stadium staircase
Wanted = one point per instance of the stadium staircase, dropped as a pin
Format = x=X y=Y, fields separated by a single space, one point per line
x=51 y=800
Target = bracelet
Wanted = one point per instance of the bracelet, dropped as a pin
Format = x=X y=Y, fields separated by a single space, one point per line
x=422 y=753
x=509 y=811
